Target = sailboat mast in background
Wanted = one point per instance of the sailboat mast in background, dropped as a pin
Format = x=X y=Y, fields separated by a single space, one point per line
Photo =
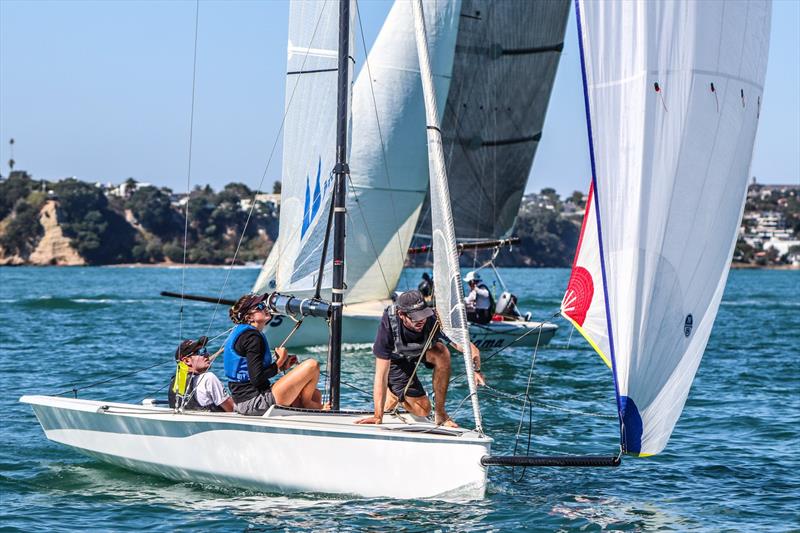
x=340 y=171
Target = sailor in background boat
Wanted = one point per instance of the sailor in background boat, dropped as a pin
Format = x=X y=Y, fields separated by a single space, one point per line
x=400 y=341
x=192 y=388
x=479 y=301
x=249 y=364
x=425 y=286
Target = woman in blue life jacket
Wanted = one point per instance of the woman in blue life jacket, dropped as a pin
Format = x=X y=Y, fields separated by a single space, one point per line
x=249 y=364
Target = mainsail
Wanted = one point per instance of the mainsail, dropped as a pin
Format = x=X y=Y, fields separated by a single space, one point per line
x=505 y=63
x=673 y=94
x=309 y=149
x=388 y=160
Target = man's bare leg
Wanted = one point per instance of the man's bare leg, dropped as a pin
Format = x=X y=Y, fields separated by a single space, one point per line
x=439 y=357
x=420 y=406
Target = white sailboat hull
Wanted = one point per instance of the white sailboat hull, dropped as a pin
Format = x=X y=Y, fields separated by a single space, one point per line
x=361 y=322
x=284 y=451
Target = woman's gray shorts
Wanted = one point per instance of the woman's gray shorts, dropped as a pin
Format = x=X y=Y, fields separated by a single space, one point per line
x=257 y=405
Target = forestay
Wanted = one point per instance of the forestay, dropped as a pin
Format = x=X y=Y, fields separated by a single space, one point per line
x=309 y=149
x=446 y=273
x=505 y=63
x=673 y=95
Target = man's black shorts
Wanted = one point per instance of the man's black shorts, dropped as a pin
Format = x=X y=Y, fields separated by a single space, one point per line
x=400 y=371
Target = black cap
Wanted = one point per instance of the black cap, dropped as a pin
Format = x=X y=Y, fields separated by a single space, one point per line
x=245 y=304
x=190 y=347
x=413 y=304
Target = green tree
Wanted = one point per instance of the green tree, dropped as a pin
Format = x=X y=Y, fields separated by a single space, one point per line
x=153 y=210
x=17 y=186
x=97 y=233
x=23 y=230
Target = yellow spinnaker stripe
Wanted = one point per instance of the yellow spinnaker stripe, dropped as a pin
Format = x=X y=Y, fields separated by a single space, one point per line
x=605 y=359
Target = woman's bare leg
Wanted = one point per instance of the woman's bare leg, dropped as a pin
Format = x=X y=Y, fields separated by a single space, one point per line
x=292 y=386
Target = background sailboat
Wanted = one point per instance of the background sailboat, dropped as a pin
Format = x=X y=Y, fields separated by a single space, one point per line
x=501 y=58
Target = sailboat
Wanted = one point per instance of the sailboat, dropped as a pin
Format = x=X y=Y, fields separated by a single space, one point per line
x=290 y=450
x=646 y=284
x=493 y=66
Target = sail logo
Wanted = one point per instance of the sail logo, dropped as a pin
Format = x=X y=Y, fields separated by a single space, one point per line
x=687 y=325
x=312 y=203
x=578 y=298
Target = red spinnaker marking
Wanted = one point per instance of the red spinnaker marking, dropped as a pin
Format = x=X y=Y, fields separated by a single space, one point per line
x=580 y=291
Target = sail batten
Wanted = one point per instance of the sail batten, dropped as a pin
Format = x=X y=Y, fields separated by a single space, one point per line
x=672 y=94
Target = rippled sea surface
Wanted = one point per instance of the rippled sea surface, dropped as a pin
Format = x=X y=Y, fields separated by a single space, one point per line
x=732 y=463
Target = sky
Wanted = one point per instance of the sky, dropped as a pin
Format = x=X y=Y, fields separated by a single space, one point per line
x=103 y=91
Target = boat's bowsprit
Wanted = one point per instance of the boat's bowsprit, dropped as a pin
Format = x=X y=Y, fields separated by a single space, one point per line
x=551 y=460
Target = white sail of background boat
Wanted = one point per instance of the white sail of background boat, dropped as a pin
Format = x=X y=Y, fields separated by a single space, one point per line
x=507 y=53
x=673 y=95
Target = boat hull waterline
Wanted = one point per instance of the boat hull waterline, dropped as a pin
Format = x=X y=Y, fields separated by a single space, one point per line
x=283 y=451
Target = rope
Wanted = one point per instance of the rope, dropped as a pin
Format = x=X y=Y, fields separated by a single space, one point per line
x=189 y=171
x=74 y=390
x=525 y=405
x=428 y=342
x=510 y=344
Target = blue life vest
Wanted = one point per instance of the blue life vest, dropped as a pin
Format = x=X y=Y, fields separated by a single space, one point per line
x=235 y=364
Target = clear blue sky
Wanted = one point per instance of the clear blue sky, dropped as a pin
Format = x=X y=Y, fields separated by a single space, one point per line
x=102 y=91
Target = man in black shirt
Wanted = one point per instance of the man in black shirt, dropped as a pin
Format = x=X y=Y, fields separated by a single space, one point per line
x=399 y=343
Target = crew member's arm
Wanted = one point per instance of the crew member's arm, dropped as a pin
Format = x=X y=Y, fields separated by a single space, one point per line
x=476 y=361
x=254 y=351
x=379 y=387
x=227 y=405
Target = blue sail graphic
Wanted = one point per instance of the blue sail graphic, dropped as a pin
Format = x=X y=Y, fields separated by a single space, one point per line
x=311 y=206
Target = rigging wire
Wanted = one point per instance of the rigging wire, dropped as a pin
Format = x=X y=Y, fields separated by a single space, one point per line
x=189 y=170
x=75 y=388
x=266 y=169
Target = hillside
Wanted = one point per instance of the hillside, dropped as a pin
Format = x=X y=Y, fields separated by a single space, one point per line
x=70 y=222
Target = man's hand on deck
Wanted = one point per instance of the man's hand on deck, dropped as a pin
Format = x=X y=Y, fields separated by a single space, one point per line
x=370 y=420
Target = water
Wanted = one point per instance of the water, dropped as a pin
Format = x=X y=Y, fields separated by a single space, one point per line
x=730 y=465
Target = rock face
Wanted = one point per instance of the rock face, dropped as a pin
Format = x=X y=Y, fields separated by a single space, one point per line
x=53 y=248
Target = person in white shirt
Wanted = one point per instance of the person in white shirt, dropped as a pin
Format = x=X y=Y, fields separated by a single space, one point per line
x=203 y=391
x=479 y=300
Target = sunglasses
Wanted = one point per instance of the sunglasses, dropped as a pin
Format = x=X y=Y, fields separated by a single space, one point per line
x=203 y=353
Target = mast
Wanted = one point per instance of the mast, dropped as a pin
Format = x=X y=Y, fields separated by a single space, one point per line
x=340 y=171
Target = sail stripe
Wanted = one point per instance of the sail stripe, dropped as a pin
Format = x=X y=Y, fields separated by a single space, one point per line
x=597 y=209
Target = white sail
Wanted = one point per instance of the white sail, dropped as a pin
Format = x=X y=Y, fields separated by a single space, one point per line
x=446 y=273
x=388 y=160
x=673 y=94
x=309 y=148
